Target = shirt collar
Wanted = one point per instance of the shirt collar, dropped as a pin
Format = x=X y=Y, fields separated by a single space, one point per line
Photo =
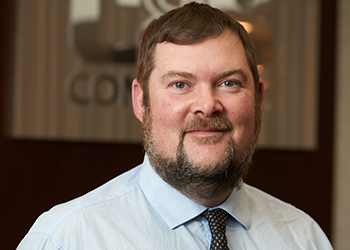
x=237 y=205
x=176 y=209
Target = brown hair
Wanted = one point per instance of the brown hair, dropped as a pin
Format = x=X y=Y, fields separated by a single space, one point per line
x=192 y=23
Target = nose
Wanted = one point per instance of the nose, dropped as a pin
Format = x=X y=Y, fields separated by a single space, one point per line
x=207 y=103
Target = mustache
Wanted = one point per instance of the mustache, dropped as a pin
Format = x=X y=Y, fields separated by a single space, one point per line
x=215 y=123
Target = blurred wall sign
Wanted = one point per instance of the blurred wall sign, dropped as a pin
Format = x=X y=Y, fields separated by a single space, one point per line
x=104 y=89
x=75 y=61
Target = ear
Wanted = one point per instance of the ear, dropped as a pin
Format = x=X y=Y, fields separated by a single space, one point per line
x=262 y=95
x=137 y=100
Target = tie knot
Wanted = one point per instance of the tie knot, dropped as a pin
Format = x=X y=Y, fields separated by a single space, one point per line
x=216 y=218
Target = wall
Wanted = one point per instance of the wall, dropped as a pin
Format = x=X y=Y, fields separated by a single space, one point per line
x=67 y=85
x=341 y=217
x=35 y=175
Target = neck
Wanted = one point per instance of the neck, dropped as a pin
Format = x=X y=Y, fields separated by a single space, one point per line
x=213 y=201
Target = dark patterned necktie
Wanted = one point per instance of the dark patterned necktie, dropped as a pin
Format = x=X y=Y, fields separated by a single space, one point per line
x=217 y=223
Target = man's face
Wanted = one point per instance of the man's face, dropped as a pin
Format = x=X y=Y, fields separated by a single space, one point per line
x=201 y=101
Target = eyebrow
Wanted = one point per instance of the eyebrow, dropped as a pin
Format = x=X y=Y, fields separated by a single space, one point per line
x=226 y=73
x=174 y=73
x=230 y=72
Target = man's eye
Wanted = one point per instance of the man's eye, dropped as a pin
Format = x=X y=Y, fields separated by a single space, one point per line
x=229 y=83
x=179 y=85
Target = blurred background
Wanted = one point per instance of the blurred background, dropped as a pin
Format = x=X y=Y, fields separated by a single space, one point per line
x=66 y=119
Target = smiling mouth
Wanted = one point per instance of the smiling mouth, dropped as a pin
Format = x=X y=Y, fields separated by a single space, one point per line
x=205 y=136
x=206 y=132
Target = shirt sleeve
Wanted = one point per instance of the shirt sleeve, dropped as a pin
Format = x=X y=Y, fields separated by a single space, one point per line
x=320 y=239
x=37 y=241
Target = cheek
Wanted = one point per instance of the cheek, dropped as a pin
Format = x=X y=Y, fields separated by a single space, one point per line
x=241 y=110
x=169 y=113
x=167 y=123
x=243 y=119
x=243 y=115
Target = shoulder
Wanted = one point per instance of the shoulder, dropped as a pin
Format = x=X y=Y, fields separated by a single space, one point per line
x=283 y=222
x=117 y=188
x=264 y=205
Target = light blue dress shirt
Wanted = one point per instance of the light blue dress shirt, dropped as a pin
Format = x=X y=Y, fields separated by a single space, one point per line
x=138 y=210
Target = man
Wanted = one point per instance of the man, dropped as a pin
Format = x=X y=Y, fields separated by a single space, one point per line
x=199 y=99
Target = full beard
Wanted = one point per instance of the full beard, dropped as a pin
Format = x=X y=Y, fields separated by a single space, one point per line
x=200 y=181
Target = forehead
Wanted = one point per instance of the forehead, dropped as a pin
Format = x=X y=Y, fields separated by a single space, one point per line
x=222 y=53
